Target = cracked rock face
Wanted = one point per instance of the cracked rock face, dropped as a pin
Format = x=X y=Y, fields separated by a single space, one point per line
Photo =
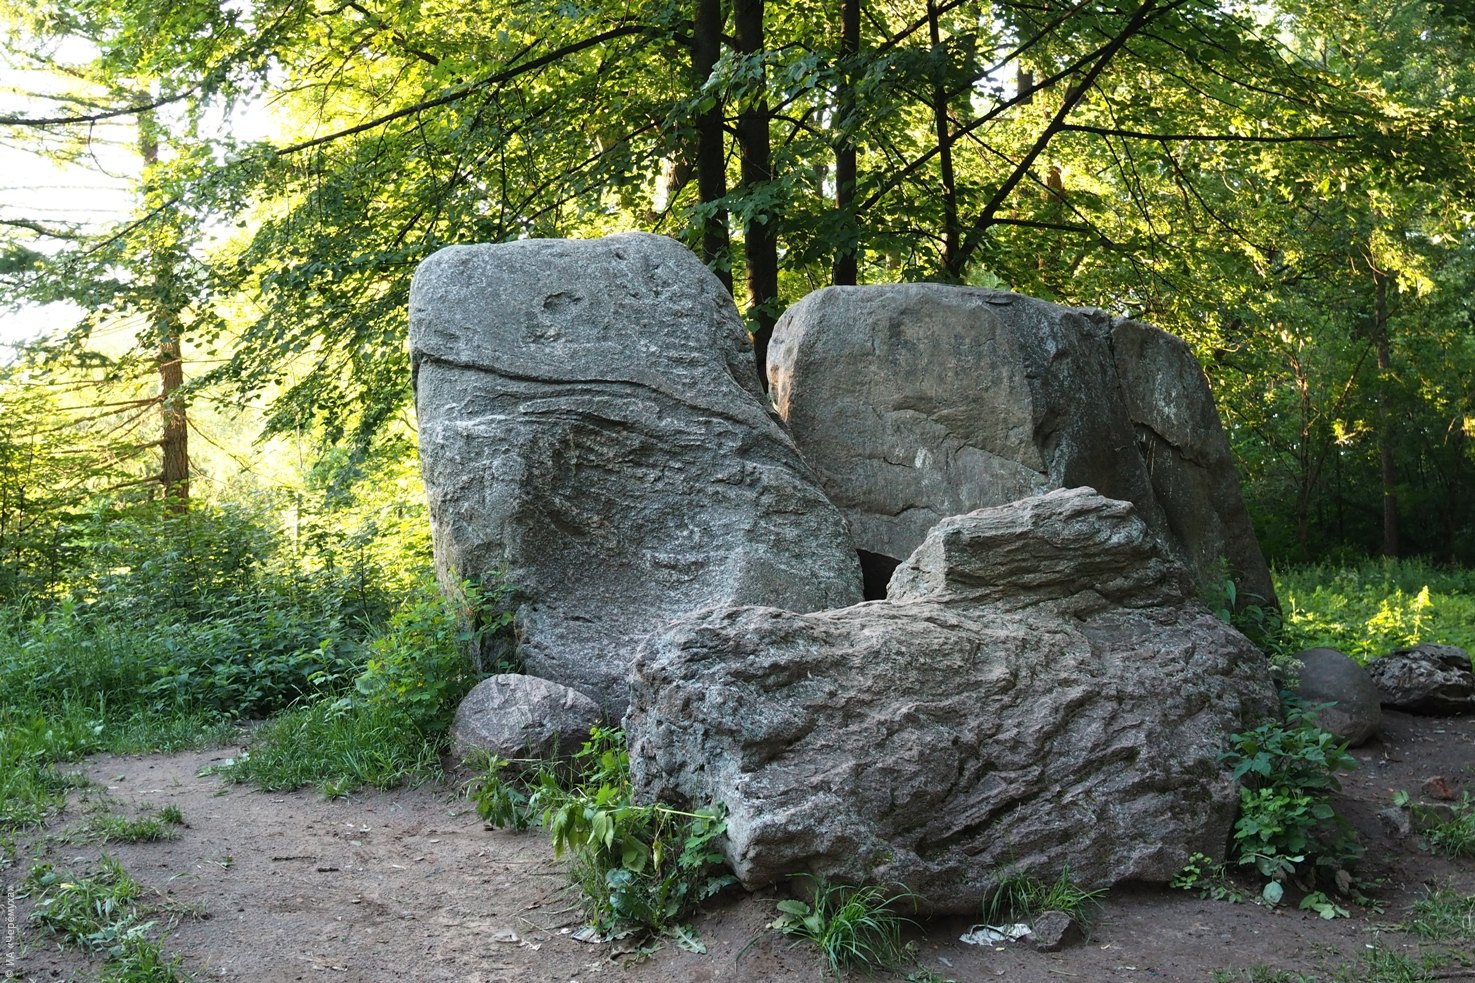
x=1039 y=690
x=591 y=422
x=1429 y=678
x=957 y=398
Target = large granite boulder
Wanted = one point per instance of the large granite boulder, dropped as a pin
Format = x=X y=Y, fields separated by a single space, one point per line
x=1353 y=712
x=957 y=398
x=1040 y=690
x=592 y=428
x=1428 y=678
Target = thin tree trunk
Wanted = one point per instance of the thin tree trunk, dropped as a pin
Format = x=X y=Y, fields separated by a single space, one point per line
x=174 y=440
x=847 y=253
x=952 y=228
x=711 y=146
x=1389 y=474
x=755 y=154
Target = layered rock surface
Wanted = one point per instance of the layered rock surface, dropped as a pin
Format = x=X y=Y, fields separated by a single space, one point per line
x=956 y=398
x=1429 y=678
x=1039 y=690
x=591 y=423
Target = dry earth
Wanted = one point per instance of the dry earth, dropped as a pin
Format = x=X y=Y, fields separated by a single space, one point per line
x=409 y=884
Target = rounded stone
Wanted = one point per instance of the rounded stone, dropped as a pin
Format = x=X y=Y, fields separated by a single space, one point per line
x=521 y=717
x=1329 y=676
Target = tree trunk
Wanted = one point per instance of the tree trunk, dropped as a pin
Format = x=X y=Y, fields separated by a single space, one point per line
x=847 y=252
x=711 y=146
x=952 y=228
x=755 y=155
x=174 y=440
x=1389 y=474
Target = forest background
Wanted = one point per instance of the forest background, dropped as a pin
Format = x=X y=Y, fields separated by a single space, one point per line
x=216 y=433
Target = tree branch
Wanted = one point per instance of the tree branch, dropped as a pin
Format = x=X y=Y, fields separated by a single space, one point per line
x=462 y=91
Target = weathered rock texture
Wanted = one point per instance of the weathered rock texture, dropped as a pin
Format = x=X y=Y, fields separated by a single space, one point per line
x=1328 y=676
x=1040 y=689
x=1433 y=679
x=591 y=421
x=514 y=716
x=919 y=401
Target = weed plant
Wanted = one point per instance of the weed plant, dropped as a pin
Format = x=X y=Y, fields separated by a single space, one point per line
x=637 y=868
x=854 y=927
x=1287 y=827
x=102 y=913
x=165 y=824
x=1452 y=835
x=1022 y=898
x=1445 y=915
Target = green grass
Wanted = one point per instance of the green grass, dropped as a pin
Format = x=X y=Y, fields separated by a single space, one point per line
x=1372 y=608
x=337 y=747
x=852 y=927
x=1453 y=837
x=1020 y=897
x=165 y=824
x=102 y=913
x=1444 y=916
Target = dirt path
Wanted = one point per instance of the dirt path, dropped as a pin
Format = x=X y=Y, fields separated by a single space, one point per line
x=409 y=885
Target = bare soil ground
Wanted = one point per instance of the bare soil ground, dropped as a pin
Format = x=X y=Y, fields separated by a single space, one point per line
x=408 y=884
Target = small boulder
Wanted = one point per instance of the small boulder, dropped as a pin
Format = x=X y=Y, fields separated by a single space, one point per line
x=1051 y=931
x=1429 y=679
x=1328 y=676
x=515 y=717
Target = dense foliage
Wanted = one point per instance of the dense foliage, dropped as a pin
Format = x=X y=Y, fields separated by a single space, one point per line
x=1285 y=185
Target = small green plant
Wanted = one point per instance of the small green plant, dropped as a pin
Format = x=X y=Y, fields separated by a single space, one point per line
x=1256 y=620
x=1259 y=974
x=102 y=914
x=638 y=868
x=1444 y=915
x=1209 y=879
x=1287 y=827
x=164 y=825
x=1452 y=835
x=853 y=927
x=1020 y=897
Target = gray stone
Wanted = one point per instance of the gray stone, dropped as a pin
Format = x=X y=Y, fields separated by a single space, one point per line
x=592 y=424
x=1051 y=931
x=516 y=717
x=1429 y=678
x=1396 y=822
x=1328 y=676
x=1040 y=690
x=957 y=398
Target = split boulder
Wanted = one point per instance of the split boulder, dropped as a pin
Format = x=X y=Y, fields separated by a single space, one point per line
x=1429 y=678
x=1040 y=690
x=593 y=430
x=959 y=398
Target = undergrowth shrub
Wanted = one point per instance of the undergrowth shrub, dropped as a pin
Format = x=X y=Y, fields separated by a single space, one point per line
x=1371 y=608
x=1288 y=829
x=637 y=868
x=391 y=722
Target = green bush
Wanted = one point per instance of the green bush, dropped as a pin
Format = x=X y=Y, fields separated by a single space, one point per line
x=1287 y=827
x=637 y=867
